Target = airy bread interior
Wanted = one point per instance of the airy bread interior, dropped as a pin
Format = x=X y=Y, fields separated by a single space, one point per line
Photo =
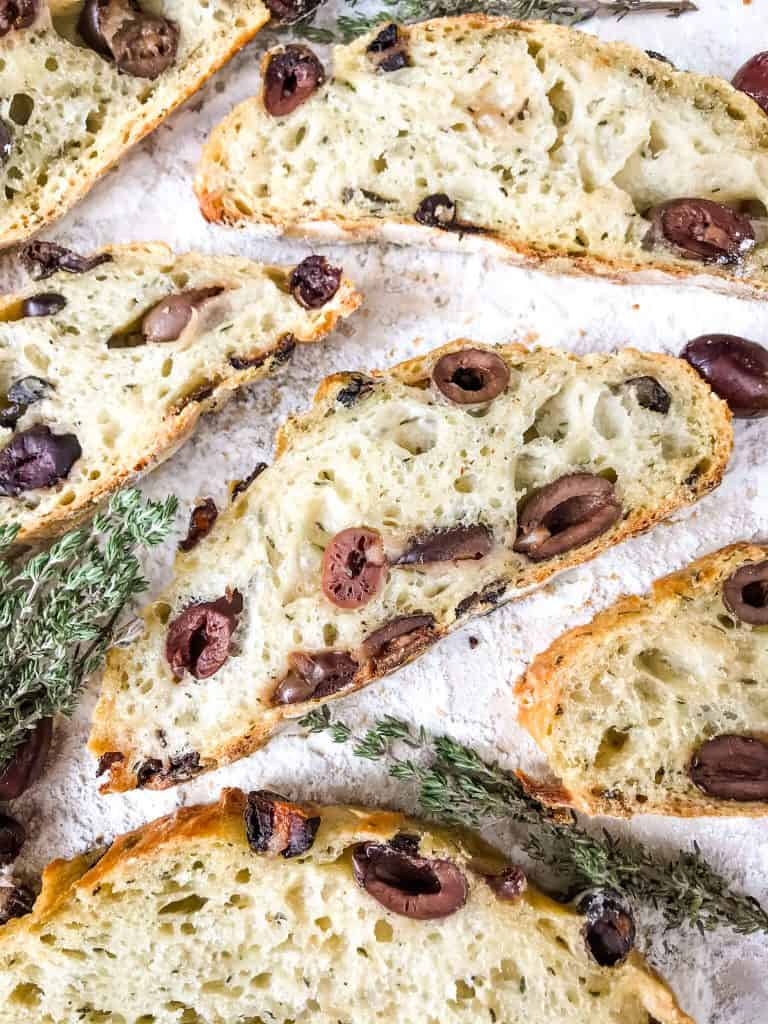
x=132 y=406
x=181 y=923
x=391 y=453
x=620 y=705
x=72 y=113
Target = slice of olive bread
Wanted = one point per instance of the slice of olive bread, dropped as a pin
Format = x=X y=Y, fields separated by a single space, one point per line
x=399 y=506
x=82 y=81
x=255 y=909
x=545 y=143
x=660 y=704
x=108 y=362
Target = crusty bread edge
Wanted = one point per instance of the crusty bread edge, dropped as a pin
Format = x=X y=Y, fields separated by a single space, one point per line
x=180 y=427
x=327 y=227
x=540 y=689
x=122 y=775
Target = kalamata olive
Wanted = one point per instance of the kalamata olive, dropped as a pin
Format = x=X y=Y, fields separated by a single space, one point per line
x=413 y=886
x=609 y=929
x=148 y=771
x=165 y=321
x=15 y=901
x=245 y=483
x=15 y=14
x=28 y=762
x=470 y=376
x=42 y=259
x=107 y=760
x=12 y=838
x=201 y=523
x=655 y=55
x=650 y=394
x=731 y=767
x=752 y=78
x=353 y=567
x=198 y=640
x=292 y=75
x=275 y=826
x=287 y=12
x=314 y=282
x=184 y=767
x=437 y=211
x=6 y=141
x=398 y=640
x=458 y=543
x=314 y=676
x=21 y=394
x=735 y=369
x=141 y=44
x=701 y=230
x=36 y=458
x=357 y=387
x=89 y=27
x=509 y=885
x=387 y=49
x=745 y=593
x=44 y=304
x=566 y=514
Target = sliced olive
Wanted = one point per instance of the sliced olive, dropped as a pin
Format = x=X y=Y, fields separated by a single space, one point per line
x=413 y=886
x=140 y=44
x=201 y=522
x=107 y=760
x=275 y=826
x=314 y=282
x=735 y=369
x=458 y=543
x=745 y=593
x=44 y=304
x=650 y=394
x=198 y=640
x=314 y=676
x=471 y=376
x=12 y=838
x=701 y=229
x=27 y=764
x=398 y=640
x=6 y=141
x=437 y=211
x=732 y=767
x=752 y=78
x=36 y=458
x=16 y=14
x=293 y=74
x=566 y=514
x=42 y=259
x=288 y=12
x=166 y=321
x=387 y=49
x=609 y=929
x=509 y=885
x=21 y=394
x=353 y=567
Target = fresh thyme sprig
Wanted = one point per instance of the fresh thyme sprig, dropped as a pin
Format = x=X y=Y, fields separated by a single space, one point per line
x=60 y=609
x=562 y=12
x=457 y=787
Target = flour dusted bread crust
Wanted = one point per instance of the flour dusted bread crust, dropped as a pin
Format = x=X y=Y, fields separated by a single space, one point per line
x=551 y=145
x=419 y=492
x=622 y=705
x=71 y=114
x=85 y=371
x=183 y=921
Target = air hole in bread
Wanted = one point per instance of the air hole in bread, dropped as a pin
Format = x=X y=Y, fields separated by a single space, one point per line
x=21 y=108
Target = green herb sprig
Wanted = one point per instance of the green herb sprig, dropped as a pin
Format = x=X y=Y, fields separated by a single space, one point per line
x=60 y=609
x=458 y=787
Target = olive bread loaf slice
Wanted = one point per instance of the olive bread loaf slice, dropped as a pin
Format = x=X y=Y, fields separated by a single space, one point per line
x=82 y=80
x=660 y=704
x=108 y=361
x=399 y=506
x=255 y=909
x=543 y=142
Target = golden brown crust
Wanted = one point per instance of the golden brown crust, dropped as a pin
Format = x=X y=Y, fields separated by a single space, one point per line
x=541 y=689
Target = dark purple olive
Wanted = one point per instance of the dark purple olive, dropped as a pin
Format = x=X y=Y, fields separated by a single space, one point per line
x=731 y=768
x=387 y=49
x=16 y=14
x=245 y=483
x=458 y=543
x=107 y=760
x=745 y=593
x=398 y=640
x=198 y=640
x=509 y=885
x=752 y=78
x=6 y=141
x=148 y=771
x=566 y=514
x=314 y=282
x=42 y=259
x=12 y=838
x=470 y=376
x=44 y=304
x=437 y=211
x=650 y=394
x=413 y=886
x=166 y=321
x=201 y=522
x=288 y=12
x=21 y=394
x=609 y=929
x=275 y=826
x=28 y=762
x=15 y=901
x=353 y=567
x=314 y=676
x=36 y=458
x=701 y=230
x=140 y=44
x=735 y=369
x=292 y=75
x=655 y=55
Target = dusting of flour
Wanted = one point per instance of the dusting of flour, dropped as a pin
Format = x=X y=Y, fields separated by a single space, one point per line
x=416 y=301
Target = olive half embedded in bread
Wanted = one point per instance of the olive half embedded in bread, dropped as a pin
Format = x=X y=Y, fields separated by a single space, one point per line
x=292 y=75
x=566 y=514
x=16 y=14
x=700 y=229
x=36 y=458
x=141 y=44
x=417 y=887
x=198 y=640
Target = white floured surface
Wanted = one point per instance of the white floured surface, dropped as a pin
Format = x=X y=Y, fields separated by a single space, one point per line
x=416 y=301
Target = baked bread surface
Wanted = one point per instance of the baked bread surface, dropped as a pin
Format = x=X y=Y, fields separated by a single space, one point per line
x=391 y=453
x=131 y=407
x=551 y=142
x=620 y=705
x=72 y=114
x=182 y=922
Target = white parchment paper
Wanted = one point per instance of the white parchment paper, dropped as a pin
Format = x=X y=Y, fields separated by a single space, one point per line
x=415 y=301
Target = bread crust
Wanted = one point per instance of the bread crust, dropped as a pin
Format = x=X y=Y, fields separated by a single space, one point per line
x=103 y=737
x=179 y=427
x=327 y=226
x=543 y=687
